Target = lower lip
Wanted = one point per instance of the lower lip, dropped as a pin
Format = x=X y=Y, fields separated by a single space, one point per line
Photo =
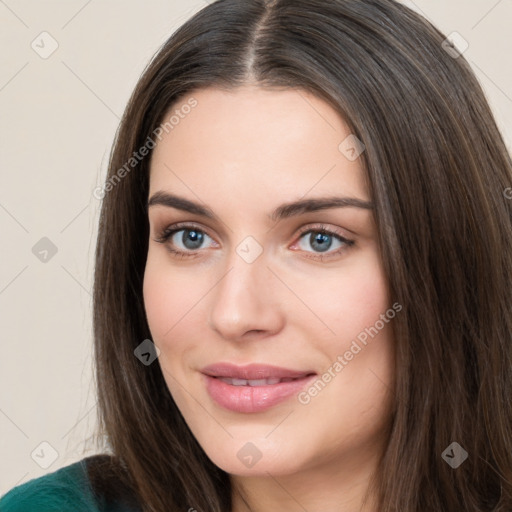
x=253 y=398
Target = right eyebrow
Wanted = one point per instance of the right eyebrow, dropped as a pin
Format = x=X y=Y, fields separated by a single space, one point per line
x=180 y=203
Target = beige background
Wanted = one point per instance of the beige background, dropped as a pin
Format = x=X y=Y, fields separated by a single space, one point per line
x=58 y=119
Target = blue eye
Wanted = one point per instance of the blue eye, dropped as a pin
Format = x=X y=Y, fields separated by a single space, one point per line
x=184 y=240
x=191 y=239
x=322 y=239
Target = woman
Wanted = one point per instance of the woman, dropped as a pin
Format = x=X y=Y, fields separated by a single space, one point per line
x=302 y=289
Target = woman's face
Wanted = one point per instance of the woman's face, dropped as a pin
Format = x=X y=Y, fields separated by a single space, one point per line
x=257 y=282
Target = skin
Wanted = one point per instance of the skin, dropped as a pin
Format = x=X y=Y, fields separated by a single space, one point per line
x=243 y=153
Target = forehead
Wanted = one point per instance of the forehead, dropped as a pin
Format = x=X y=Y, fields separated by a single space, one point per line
x=258 y=144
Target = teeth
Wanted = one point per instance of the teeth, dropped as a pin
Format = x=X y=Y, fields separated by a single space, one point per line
x=253 y=382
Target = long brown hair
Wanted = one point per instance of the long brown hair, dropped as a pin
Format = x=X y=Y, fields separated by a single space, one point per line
x=437 y=169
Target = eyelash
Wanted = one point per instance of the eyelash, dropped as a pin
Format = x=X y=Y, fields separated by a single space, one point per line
x=165 y=234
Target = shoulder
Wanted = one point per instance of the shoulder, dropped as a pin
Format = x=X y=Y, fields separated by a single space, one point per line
x=66 y=489
x=98 y=483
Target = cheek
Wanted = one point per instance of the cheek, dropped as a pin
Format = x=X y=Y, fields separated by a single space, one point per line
x=168 y=296
x=349 y=300
x=364 y=339
x=346 y=301
x=157 y=294
x=169 y=299
x=365 y=297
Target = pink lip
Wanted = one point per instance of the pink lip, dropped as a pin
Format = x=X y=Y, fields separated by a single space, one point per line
x=253 y=371
x=252 y=399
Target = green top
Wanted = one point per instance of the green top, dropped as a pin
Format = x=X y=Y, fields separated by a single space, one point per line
x=66 y=490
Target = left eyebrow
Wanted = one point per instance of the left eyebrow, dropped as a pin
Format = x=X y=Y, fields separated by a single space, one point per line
x=321 y=203
x=281 y=212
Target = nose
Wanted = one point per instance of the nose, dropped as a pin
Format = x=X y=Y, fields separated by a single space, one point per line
x=245 y=302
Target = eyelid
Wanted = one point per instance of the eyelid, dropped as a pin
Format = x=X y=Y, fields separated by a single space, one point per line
x=323 y=227
x=178 y=226
x=302 y=230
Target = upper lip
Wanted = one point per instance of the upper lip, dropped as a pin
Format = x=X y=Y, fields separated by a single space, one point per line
x=253 y=371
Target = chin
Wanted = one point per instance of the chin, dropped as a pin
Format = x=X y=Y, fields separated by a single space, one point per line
x=256 y=458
